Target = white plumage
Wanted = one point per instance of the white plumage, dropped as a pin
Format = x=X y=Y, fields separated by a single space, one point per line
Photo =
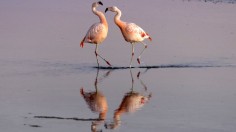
x=97 y=33
x=131 y=32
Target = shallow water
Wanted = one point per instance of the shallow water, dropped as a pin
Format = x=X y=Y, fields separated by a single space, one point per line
x=186 y=81
x=43 y=96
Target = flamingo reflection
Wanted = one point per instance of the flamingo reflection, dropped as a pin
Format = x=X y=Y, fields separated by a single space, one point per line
x=131 y=102
x=96 y=102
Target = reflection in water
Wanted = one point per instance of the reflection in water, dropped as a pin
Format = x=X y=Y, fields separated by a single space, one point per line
x=131 y=102
x=97 y=102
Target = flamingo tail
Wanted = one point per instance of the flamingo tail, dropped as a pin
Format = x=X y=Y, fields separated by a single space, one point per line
x=82 y=43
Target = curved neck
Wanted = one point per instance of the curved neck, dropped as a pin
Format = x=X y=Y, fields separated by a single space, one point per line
x=117 y=18
x=103 y=115
x=100 y=15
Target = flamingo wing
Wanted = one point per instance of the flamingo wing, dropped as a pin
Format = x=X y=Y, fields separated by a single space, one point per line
x=132 y=28
x=93 y=32
x=135 y=33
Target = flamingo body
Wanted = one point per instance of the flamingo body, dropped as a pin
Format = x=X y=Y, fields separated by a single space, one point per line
x=97 y=33
x=95 y=100
x=131 y=32
x=132 y=102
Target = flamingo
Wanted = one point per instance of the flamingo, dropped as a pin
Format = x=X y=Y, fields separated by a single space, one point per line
x=97 y=32
x=96 y=101
x=131 y=32
x=131 y=102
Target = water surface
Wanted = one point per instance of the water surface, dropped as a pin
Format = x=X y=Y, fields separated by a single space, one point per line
x=186 y=81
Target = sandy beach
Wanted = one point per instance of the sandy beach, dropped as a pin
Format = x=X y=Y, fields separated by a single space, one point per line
x=49 y=83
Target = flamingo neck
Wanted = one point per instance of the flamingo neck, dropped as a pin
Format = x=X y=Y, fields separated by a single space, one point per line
x=103 y=115
x=117 y=18
x=100 y=15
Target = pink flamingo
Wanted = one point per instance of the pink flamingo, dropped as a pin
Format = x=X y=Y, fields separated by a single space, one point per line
x=131 y=32
x=131 y=102
x=97 y=32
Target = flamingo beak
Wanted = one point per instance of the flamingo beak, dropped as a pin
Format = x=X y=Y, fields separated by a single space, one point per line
x=106 y=10
x=99 y=2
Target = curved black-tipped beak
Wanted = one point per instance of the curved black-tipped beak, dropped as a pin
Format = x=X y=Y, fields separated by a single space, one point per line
x=106 y=10
x=99 y=2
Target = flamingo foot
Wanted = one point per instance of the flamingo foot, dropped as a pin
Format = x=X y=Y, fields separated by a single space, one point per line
x=138 y=60
x=108 y=63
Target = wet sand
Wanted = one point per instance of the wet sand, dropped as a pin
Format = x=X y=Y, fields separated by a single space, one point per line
x=186 y=81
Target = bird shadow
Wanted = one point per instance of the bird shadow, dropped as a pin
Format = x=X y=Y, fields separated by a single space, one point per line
x=68 y=118
x=184 y=65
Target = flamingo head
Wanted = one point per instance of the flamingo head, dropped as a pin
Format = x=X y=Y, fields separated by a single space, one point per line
x=113 y=9
x=100 y=3
x=95 y=4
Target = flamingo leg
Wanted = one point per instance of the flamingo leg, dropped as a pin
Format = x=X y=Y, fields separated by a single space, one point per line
x=142 y=83
x=132 y=55
x=96 y=81
x=96 y=53
x=132 y=85
x=145 y=46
